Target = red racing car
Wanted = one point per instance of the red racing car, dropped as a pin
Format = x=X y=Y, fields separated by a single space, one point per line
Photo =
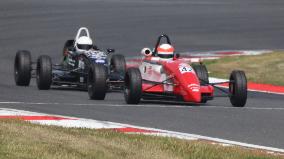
x=163 y=75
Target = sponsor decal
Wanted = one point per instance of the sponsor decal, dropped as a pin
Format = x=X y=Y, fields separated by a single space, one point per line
x=194 y=87
x=184 y=68
x=100 y=61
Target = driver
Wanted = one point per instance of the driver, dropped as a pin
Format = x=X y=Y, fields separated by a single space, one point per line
x=83 y=44
x=165 y=51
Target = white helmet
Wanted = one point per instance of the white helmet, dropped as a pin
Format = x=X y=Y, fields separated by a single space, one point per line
x=165 y=51
x=83 y=43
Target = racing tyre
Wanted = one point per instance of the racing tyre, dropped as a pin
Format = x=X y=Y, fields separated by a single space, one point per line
x=118 y=64
x=238 y=88
x=97 y=86
x=44 y=72
x=68 y=44
x=133 y=86
x=22 y=68
x=202 y=74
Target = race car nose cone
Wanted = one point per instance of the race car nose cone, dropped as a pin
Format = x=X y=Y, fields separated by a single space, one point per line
x=193 y=95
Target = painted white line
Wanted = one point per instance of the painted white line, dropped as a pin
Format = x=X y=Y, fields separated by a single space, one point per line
x=89 y=123
x=82 y=123
x=219 y=80
x=150 y=106
x=252 y=90
x=258 y=91
x=11 y=102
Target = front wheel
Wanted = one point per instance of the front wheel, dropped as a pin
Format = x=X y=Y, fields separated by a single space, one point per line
x=118 y=64
x=97 y=86
x=238 y=88
x=44 y=72
x=202 y=74
x=22 y=68
x=133 y=86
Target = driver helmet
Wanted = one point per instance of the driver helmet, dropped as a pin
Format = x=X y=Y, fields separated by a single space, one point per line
x=83 y=43
x=165 y=51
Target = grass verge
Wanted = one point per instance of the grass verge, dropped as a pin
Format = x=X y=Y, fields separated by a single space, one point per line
x=266 y=68
x=19 y=139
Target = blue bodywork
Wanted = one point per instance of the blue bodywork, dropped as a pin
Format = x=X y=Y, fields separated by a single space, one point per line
x=74 y=69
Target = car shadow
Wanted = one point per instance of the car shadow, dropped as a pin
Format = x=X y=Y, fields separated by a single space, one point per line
x=162 y=102
x=69 y=89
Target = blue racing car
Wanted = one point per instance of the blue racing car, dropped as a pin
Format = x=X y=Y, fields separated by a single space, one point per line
x=84 y=66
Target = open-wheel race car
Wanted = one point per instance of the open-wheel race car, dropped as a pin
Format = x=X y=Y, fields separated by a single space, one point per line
x=164 y=75
x=81 y=60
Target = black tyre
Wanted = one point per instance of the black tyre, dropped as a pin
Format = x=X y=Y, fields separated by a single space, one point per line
x=44 y=72
x=118 y=63
x=202 y=74
x=96 y=83
x=22 y=68
x=133 y=86
x=68 y=44
x=238 y=88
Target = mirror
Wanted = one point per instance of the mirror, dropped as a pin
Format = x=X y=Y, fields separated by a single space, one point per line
x=110 y=50
x=177 y=55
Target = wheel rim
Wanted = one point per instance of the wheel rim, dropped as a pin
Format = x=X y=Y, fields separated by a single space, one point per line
x=38 y=74
x=126 y=92
x=16 y=73
x=231 y=88
x=90 y=89
x=90 y=83
x=17 y=69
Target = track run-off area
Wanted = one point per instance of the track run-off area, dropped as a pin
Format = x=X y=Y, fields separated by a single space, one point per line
x=128 y=26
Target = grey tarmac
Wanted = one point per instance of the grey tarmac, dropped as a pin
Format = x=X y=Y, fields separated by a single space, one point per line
x=193 y=25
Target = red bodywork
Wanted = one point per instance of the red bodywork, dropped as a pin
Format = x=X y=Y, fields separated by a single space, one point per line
x=184 y=83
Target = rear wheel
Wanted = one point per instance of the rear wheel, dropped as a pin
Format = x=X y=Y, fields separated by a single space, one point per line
x=22 y=68
x=238 y=88
x=118 y=64
x=44 y=72
x=133 y=86
x=202 y=74
x=96 y=83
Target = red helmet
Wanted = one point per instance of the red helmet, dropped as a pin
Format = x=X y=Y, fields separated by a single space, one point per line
x=165 y=51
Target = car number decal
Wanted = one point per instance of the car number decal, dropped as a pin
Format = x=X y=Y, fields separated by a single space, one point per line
x=185 y=69
x=100 y=61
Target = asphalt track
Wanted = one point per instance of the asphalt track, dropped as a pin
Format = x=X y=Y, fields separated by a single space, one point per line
x=127 y=26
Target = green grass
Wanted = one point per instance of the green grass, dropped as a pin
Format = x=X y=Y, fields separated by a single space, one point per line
x=19 y=139
x=266 y=68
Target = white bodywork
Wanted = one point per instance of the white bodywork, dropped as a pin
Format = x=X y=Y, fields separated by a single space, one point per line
x=154 y=72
